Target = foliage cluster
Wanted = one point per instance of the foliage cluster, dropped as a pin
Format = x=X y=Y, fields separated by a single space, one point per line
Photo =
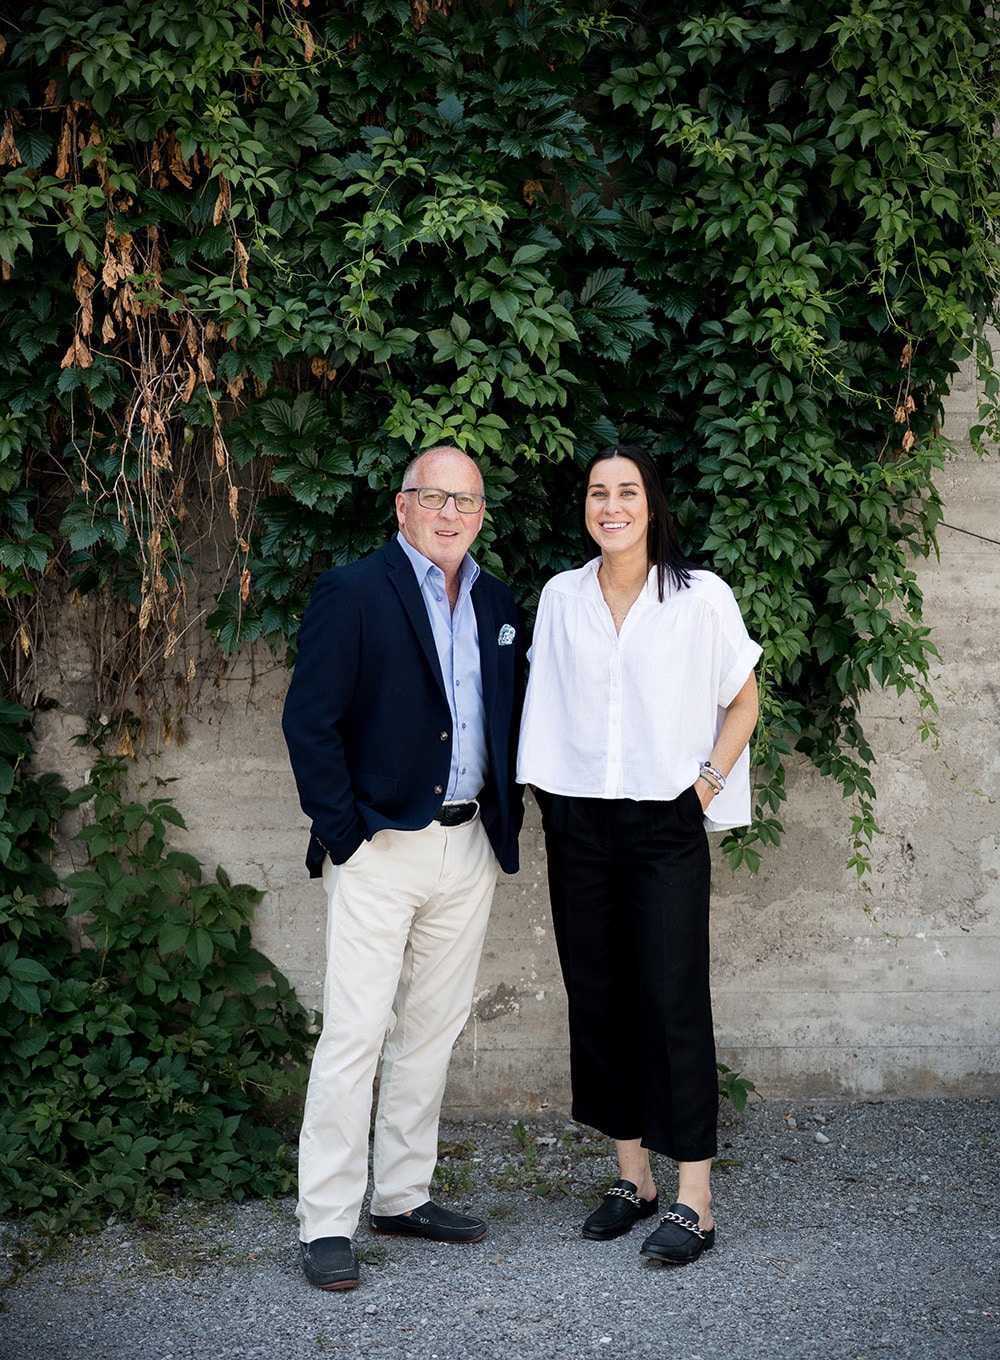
x=255 y=255
x=156 y=1050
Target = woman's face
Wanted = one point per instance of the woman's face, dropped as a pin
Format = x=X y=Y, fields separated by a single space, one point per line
x=617 y=512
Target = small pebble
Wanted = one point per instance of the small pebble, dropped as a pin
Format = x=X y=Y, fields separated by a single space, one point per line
x=821 y=1138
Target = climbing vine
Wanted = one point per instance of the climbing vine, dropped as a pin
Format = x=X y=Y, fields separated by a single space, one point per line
x=149 y=1048
x=254 y=255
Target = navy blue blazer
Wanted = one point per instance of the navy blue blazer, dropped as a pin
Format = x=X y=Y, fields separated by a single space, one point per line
x=366 y=716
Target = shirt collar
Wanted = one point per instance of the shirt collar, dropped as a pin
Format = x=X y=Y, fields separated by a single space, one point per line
x=590 y=574
x=468 y=569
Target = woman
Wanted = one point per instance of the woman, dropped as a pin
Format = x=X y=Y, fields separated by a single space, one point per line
x=641 y=702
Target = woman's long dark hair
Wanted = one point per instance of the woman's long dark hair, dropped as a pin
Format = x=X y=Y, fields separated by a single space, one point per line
x=662 y=545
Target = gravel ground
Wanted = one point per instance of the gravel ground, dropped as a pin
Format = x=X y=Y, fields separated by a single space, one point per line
x=850 y=1232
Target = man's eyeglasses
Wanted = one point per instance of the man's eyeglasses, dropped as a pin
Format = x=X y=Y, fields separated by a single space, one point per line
x=433 y=498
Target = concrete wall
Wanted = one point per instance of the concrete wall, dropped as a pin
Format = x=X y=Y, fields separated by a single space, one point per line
x=814 y=995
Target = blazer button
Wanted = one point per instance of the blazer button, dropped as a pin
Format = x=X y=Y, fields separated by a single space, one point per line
x=444 y=736
x=438 y=788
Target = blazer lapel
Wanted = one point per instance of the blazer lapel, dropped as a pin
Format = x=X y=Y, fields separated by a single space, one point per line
x=486 y=624
x=403 y=579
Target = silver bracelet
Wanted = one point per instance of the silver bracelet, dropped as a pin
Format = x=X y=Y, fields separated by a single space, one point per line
x=709 y=768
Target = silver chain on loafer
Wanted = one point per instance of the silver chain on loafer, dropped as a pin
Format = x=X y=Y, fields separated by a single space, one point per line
x=685 y=1223
x=622 y=1193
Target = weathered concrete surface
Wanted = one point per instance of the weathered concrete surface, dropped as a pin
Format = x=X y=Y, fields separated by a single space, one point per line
x=815 y=995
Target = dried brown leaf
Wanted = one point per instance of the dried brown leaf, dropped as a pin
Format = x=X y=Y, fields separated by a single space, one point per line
x=179 y=167
x=125 y=256
x=84 y=290
x=242 y=260
x=189 y=337
x=9 y=154
x=222 y=201
x=64 y=149
x=78 y=355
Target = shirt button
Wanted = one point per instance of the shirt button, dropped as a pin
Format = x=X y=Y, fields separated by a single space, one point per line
x=444 y=736
x=438 y=788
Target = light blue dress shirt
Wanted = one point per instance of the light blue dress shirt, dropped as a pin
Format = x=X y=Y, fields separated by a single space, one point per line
x=456 y=638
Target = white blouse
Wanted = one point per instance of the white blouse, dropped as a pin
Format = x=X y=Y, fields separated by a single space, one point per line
x=633 y=714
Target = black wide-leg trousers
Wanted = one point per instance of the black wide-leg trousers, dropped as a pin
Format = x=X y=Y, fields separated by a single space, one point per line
x=629 y=884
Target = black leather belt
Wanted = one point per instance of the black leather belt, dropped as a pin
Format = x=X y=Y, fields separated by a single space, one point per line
x=456 y=814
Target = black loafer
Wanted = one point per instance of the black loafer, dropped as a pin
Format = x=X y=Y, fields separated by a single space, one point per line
x=330 y=1263
x=619 y=1212
x=432 y=1222
x=678 y=1239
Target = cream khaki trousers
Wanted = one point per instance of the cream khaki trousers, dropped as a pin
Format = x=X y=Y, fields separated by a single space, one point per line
x=406 y=920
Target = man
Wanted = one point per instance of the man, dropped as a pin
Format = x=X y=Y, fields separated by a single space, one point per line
x=401 y=723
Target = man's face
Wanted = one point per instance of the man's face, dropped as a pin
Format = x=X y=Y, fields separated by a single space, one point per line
x=446 y=535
